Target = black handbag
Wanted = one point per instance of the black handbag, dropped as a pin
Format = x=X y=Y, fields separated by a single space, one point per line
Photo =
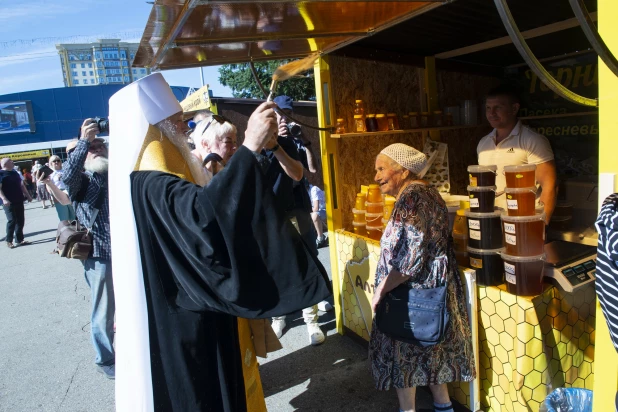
x=415 y=316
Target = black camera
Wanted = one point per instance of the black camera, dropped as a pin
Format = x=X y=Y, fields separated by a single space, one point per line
x=295 y=129
x=102 y=123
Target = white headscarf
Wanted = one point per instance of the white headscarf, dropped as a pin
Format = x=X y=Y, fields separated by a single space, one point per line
x=408 y=157
x=132 y=110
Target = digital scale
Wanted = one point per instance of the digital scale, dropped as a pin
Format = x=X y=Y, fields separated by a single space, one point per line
x=571 y=265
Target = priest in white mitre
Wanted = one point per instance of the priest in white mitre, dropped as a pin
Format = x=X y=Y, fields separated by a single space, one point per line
x=193 y=262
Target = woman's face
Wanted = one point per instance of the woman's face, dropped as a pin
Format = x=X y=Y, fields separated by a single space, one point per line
x=225 y=147
x=389 y=178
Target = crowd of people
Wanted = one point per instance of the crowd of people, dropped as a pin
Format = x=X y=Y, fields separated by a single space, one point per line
x=209 y=240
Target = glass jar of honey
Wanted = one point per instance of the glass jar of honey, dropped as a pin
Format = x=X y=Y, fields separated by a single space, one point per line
x=405 y=122
x=340 y=127
x=359 y=123
x=361 y=199
x=425 y=119
x=374 y=195
x=415 y=121
x=382 y=122
x=438 y=120
x=393 y=122
x=371 y=123
x=359 y=107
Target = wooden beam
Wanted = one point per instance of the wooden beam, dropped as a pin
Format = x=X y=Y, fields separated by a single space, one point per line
x=502 y=41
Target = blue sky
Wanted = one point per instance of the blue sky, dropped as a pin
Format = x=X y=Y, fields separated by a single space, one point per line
x=29 y=30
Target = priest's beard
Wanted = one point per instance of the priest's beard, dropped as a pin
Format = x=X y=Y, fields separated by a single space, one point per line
x=97 y=165
x=179 y=140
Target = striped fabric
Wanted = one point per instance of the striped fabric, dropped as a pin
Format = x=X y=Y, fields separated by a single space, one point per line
x=607 y=264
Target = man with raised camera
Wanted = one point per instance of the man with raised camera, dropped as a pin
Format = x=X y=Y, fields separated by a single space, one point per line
x=13 y=192
x=290 y=158
x=88 y=191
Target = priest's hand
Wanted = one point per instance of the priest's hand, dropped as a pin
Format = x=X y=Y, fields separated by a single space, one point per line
x=262 y=126
x=89 y=130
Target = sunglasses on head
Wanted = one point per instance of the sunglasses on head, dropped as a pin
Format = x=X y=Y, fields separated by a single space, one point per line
x=218 y=118
x=56 y=161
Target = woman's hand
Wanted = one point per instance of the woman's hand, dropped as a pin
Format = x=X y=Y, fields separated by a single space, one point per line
x=377 y=297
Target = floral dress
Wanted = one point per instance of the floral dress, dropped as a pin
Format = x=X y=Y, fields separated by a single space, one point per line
x=417 y=242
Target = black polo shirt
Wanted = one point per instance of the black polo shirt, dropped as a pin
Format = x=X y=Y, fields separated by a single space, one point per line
x=283 y=185
x=11 y=186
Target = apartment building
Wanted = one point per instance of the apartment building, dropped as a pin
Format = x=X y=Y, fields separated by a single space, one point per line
x=106 y=61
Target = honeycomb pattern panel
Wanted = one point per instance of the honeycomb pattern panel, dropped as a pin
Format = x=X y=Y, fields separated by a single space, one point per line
x=529 y=345
x=358 y=257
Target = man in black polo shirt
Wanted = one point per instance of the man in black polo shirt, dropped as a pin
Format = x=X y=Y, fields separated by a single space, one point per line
x=13 y=193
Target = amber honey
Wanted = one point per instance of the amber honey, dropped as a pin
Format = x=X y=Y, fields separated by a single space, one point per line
x=340 y=127
x=520 y=176
x=393 y=122
x=374 y=233
x=524 y=235
x=374 y=220
x=359 y=123
x=375 y=207
x=374 y=195
x=382 y=122
x=361 y=199
x=524 y=275
x=360 y=228
x=520 y=201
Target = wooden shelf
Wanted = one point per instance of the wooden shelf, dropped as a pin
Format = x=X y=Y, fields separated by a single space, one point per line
x=426 y=129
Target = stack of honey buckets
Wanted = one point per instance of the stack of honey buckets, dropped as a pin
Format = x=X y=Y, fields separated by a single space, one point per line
x=484 y=226
x=371 y=212
x=524 y=233
x=506 y=245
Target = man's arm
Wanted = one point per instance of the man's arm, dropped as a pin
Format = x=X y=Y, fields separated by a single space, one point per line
x=546 y=176
x=72 y=168
x=292 y=167
x=3 y=197
x=311 y=161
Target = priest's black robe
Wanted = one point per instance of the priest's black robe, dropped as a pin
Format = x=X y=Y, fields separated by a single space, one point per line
x=209 y=255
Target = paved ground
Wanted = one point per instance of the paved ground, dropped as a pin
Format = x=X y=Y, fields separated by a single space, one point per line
x=46 y=358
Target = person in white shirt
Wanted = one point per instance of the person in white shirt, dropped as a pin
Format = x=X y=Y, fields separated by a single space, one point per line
x=512 y=143
x=318 y=214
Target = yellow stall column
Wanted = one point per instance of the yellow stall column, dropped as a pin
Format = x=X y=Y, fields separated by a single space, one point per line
x=330 y=171
x=605 y=389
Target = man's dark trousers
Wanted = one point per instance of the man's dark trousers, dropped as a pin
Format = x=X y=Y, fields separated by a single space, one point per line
x=15 y=221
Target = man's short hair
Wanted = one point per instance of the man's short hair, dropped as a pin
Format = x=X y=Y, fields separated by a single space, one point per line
x=507 y=90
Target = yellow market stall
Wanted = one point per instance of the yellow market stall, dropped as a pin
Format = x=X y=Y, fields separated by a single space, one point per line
x=426 y=58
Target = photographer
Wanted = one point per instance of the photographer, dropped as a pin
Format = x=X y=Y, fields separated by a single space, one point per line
x=289 y=158
x=88 y=191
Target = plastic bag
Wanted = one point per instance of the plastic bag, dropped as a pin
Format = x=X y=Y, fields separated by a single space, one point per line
x=568 y=400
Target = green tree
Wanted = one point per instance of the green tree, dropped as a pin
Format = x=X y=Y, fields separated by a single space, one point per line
x=238 y=77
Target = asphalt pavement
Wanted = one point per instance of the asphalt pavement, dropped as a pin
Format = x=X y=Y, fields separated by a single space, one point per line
x=47 y=360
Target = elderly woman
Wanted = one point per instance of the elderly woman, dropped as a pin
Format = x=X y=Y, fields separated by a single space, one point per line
x=215 y=143
x=416 y=250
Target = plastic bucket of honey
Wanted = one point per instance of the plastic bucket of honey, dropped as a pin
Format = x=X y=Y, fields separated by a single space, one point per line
x=520 y=176
x=482 y=198
x=488 y=266
x=374 y=233
x=360 y=228
x=375 y=207
x=520 y=201
x=524 y=274
x=524 y=235
x=484 y=229
x=359 y=216
x=481 y=175
x=374 y=220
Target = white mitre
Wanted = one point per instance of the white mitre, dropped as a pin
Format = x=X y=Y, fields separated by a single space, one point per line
x=132 y=111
